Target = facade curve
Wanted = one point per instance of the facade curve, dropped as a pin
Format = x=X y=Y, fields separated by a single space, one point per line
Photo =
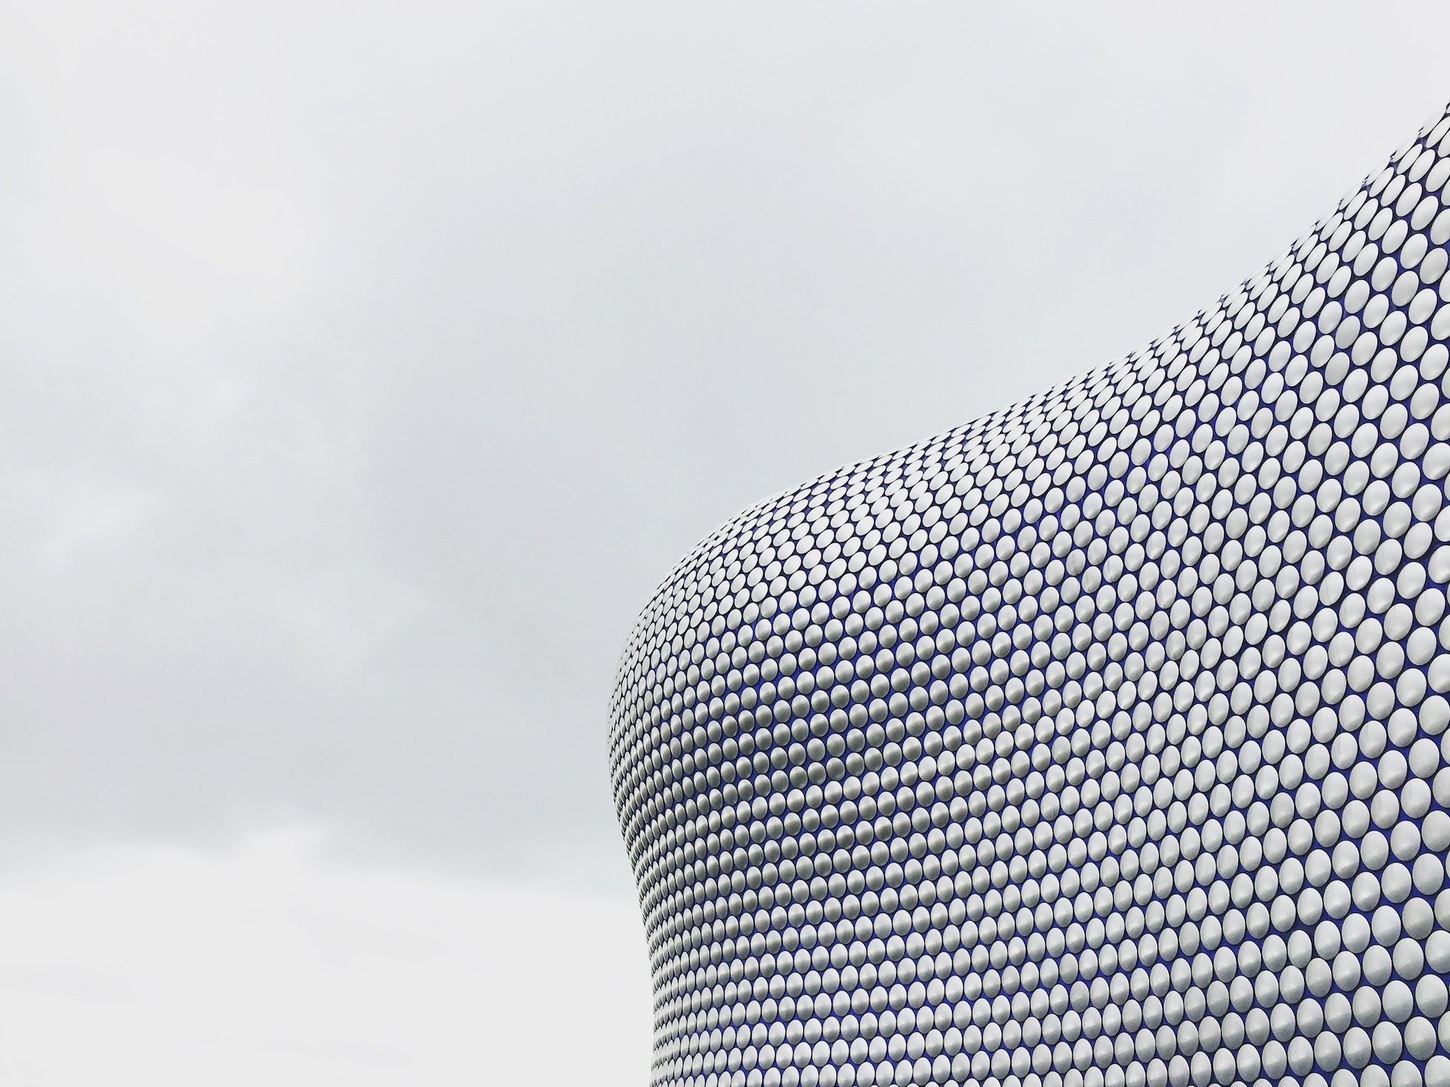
x=1100 y=742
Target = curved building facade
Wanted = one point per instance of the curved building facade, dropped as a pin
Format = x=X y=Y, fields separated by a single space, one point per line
x=1100 y=742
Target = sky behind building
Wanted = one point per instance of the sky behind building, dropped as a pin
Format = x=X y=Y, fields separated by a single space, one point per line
x=362 y=368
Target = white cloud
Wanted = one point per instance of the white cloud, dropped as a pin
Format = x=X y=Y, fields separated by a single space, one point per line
x=158 y=180
x=172 y=245
x=161 y=966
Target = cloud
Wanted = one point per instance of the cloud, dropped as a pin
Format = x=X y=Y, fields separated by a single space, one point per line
x=260 y=963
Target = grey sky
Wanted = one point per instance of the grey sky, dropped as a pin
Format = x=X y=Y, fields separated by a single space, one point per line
x=364 y=366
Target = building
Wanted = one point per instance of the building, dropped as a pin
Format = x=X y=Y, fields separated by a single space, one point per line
x=1100 y=742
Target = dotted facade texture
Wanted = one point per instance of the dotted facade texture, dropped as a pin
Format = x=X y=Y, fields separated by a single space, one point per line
x=1100 y=742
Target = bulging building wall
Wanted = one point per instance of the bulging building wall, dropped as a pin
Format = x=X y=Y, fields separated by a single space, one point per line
x=1100 y=742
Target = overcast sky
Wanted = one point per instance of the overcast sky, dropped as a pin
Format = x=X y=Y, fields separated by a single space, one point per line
x=363 y=366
